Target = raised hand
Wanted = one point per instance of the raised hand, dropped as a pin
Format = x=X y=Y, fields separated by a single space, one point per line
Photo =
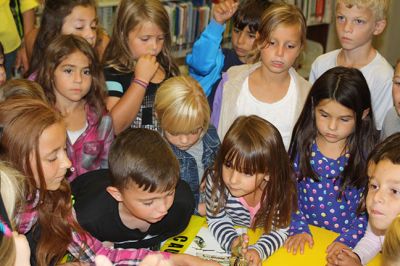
x=224 y=10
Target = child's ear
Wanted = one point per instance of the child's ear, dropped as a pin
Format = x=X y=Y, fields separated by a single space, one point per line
x=266 y=178
x=380 y=25
x=115 y=193
x=365 y=113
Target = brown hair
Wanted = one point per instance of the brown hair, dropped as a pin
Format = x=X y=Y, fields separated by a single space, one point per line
x=253 y=146
x=24 y=121
x=22 y=88
x=60 y=48
x=130 y=14
x=280 y=14
x=142 y=156
x=53 y=16
x=181 y=106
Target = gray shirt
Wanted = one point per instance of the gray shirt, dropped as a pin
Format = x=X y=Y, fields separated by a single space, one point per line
x=391 y=124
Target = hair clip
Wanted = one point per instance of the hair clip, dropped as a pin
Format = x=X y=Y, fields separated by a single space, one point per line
x=4 y=228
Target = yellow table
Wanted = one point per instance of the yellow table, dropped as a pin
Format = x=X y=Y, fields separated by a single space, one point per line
x=311 y=257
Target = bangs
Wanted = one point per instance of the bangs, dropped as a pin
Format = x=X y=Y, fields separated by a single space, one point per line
x=241 y=21
x=245 y=160
x=184 y=120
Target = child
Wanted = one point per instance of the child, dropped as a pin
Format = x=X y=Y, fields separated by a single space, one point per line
x=17 y=88
x=331 y=140
x=73 y=83
x=357 y=22
x=3 y=77
x=14 y=248
x=184 y=115
x=207 y=60
x=271 y=89
x=140 y=201
x=251 y=185
x=137 y=60
x=391 y=124
x=33 y=141
x=382 y=203
x=76 y=17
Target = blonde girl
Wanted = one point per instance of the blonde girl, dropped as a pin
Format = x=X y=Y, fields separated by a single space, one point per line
x=137 y=60
x=184 y=115
x=17 y=88
x=78 y=17
x=73 y=83
x=251 y=185
x=271 y=88
x=33 y=142
x=14 y=248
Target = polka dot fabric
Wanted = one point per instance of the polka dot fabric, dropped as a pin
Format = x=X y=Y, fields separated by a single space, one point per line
x=319 y=204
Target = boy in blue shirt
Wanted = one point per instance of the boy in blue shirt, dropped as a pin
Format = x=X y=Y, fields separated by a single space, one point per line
x=208 y=60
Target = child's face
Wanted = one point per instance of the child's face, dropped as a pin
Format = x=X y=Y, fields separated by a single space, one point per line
x=146 y=206
x=383 y=199
x=356 y=26
x=334 y=122
x=53 y=157
x=285 y=46
x=242 y=42
x=396 y=89
x=184 y=141
x=72 y=78
x=2 y=70
x=240 y=184
x=145 y=39
x=81 y=22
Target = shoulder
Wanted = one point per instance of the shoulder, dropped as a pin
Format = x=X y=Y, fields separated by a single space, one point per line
x=212 y=135
x=379 y=67
x=327 y=60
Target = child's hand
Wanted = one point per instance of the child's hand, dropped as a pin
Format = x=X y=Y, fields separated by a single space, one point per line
x=334 y=249
x=145 y=68
x=252 y=257
x=201 y=209
x=224 y=10
x=344 y=258
x=293 y=243
x=23 y=251
x=240 y=245
x=154 y=260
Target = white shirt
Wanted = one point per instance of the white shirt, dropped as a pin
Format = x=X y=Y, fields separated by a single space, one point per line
x=279 y=113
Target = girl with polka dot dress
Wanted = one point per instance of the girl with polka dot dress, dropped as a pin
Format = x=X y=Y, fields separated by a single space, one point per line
x=331 y=141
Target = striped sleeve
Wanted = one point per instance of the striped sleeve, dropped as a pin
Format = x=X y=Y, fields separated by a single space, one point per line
x=220 y=224
x=269 y=243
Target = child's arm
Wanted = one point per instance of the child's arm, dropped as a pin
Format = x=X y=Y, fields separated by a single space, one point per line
x=345 y=257
x=220 y=225
x=125 y=109
x=369 y=246
x=106 y=133
x=269 y=243
x=216 y=111
x=206 y=59
x=299 y=233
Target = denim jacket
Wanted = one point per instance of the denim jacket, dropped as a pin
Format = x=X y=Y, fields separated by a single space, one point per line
x=187 y=163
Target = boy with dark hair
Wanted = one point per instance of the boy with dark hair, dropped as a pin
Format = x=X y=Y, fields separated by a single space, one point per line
x=208 y=60
x=140 y=201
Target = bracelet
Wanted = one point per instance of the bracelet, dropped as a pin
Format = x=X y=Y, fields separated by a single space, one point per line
x=140 y=82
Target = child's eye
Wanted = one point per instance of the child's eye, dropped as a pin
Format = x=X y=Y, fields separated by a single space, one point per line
x=236 y=30
x=291 y=46
x=252 y=35
x=372 y=186
x=148 y=203
x=52 y=159
x=396 y=82
x=395 y=191
x=359 y=21
x=144 y=39
x=271 y=42
x=161 y=38
x=228 y=164
x=345 y=119
x=68 y=70
x=340 y=18
x=86 y=72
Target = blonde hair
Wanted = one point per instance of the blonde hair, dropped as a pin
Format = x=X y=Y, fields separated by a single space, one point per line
x=130 y=14
x=378 y=7
x=278 y=14
x=181 y=106
x=11 y=189
x=22 y=88
x=391 y=245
